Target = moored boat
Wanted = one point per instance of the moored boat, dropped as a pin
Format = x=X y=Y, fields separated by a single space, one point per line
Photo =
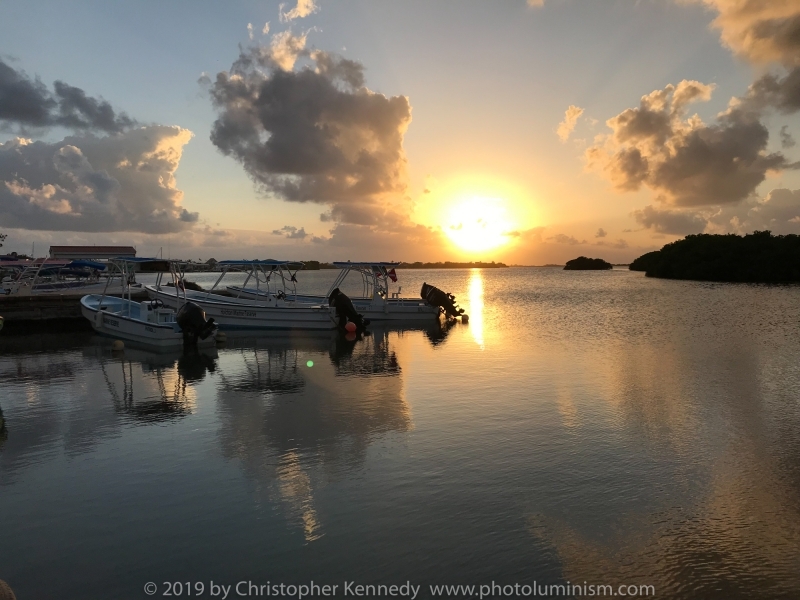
x=148 y=322
x=275 y=311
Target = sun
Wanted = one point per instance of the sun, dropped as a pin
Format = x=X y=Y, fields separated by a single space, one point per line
x=478 y=223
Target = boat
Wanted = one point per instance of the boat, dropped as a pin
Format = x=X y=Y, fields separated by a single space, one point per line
x=148 y=322
x=274 y=311
x=59 y=277
x=376 y=303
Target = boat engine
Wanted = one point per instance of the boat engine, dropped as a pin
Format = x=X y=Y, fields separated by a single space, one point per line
x=346 y=311
x=192 y=321
x=446 y=302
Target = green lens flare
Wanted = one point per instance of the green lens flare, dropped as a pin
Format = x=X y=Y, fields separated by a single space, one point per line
x=310 y=363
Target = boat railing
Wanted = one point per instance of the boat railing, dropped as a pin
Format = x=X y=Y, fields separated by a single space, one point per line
x=262 y=273
x=374 y=278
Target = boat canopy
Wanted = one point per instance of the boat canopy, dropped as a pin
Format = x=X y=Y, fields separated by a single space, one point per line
x=143 y=264
x=263 y=263
x=365 y=265
x=86 y=264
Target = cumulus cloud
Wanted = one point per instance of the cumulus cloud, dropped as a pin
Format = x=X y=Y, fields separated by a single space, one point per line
x=778 y=212
x=566 y=126
x=315 y=134
x=687 y=162
x=121 y=182
x=303 y=9
x=673 y=222
x=601 y=233
x=29 y=103
x=762 y=31
x=291 y=232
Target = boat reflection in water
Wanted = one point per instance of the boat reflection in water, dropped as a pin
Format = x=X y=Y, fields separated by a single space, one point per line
x=163 y=391
x=3 y=432
x=296 y=412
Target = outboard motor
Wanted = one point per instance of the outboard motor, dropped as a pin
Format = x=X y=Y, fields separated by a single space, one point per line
x=346 y=311
x=192 y=321
x=446 y=302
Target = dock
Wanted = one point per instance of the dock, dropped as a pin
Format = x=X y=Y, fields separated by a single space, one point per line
x=45 y=307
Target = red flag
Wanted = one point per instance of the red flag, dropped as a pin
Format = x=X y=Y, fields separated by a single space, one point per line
x=392 y=275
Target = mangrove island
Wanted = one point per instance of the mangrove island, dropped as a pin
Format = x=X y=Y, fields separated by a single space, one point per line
x=758 y=257
x=587 y=264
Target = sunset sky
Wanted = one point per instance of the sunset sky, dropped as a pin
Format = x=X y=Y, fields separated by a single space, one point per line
x=527 y=132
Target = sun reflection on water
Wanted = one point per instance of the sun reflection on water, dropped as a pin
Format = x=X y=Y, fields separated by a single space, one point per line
x=476 y=306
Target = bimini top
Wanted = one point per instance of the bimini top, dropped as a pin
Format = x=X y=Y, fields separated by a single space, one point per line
x=255 y=263
x=363 y=265
x=86 y=264
x=145 y=265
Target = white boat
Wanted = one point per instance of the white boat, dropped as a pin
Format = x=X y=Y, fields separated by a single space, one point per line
x=376 y=302
x=64 y=278
x=275 y=311
x=148 y=322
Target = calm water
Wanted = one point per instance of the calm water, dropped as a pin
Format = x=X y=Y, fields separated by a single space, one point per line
x=594 y=427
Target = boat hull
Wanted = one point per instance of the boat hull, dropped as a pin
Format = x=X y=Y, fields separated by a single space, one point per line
x=393 y=310
x=120 y=321
x=238 y=313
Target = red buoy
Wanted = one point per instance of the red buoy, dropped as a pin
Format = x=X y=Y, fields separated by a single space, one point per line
x=350 y=326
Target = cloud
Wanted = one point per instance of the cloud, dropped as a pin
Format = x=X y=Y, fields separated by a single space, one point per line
x=265 y=29
x=778 y=212
x=687 y=162
x=601 y=233
x=760 y=31
x=303 y=9
x=121 y=182
x=28 y=103
x=250 y=30
x=620 y=244
x=533 y=234
x=316 y=134
x=787 y=141
x=285 y=49
x=669 y=221
x=535 y=3
x=566 y=126
x=565 y=239
x=290 y=232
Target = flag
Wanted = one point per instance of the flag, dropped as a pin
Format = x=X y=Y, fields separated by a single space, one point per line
x=392 y=275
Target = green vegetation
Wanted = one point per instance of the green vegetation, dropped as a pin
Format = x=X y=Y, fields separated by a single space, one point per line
x=759 y=257
x=587 y=264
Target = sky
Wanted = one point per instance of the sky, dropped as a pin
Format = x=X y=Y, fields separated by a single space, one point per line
x=528 y=132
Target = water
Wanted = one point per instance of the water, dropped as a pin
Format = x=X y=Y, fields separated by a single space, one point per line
x=595 y=427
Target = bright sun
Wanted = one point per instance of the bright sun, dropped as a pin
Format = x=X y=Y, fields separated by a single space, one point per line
x=477 y=224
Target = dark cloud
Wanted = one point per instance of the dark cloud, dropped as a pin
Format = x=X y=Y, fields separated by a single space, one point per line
x=787 y=141
x=687 y=162
x=601 y=233
x=670 y=221
x=121 y=182
x=28 y=103
x=315 y=134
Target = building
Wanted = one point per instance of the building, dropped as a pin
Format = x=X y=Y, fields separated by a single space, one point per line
x=91 y=252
